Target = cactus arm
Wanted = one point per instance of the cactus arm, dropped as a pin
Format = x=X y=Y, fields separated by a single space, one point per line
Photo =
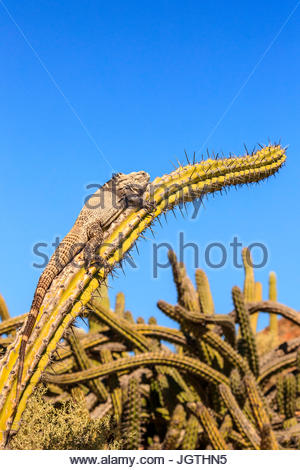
x=247 y=334
x=276 y=308
x=277 y=365
x=244 y=426
x=176 y=424
x=119 y=324
x=114 y=387
x=237 y=438
x=84 y=363
x=120 y=304
x=249 y=283
x=184 y=363
x=289 y=400
x=273 y=316
x=11 y=324
x=4 y=313
x=209 y=425
x=258 y=410
x=258 y=298
x=103 y=299
x=204 y=293
x=132 y=431
x=212 y=339
x=186 y=294
x=224 y=321
x=191 y=433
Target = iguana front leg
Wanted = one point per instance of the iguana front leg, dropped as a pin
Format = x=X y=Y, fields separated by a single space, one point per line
x=134 y=197
x=95 y=236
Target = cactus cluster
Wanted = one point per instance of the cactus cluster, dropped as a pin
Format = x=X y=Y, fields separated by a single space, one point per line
x=211 y=388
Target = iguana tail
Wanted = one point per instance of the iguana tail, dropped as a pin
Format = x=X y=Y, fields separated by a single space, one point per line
x=63 y=254
x=30 y=322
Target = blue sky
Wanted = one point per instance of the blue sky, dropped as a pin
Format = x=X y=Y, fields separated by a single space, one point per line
x=91 y=87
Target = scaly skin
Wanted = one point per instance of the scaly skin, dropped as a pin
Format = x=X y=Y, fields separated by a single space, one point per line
x=185 y=184
x=103 y=208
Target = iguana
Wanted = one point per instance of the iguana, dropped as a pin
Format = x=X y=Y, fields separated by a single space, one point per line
x=96 y=216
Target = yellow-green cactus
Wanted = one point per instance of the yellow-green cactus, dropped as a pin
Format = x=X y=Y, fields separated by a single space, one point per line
x=273 y=316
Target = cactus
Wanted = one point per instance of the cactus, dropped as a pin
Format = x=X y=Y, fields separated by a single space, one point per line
x=280 y=394
x=209 y=425
x=258 y=295
x=191 y=433
x=266 y=442
x=249 y=282
x=163 y=384
x=84 y=363
x=245 y=428
x=186 y=363
x=259 y=409
x=246 y=331
x=120 y=304
x=132 y=429
x=4 y=313
x=273 y=316
x=114 y=387
x=173 y=434
x=204 y=293
x=237 y=386
x=289 y=397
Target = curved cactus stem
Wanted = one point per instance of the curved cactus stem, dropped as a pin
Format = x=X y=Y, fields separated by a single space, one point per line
x=244 y=426
x=184 y=363
x=247 y=334
x=209 y=425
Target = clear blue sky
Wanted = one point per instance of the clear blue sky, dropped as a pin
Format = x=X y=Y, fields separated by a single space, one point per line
x=137 y=83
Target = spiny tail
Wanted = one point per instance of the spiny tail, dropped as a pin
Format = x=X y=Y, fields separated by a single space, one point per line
x=60 y=258
x=30 y=322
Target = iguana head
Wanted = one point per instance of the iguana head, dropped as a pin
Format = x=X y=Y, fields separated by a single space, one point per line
x=136 y=177
x=136 y=181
